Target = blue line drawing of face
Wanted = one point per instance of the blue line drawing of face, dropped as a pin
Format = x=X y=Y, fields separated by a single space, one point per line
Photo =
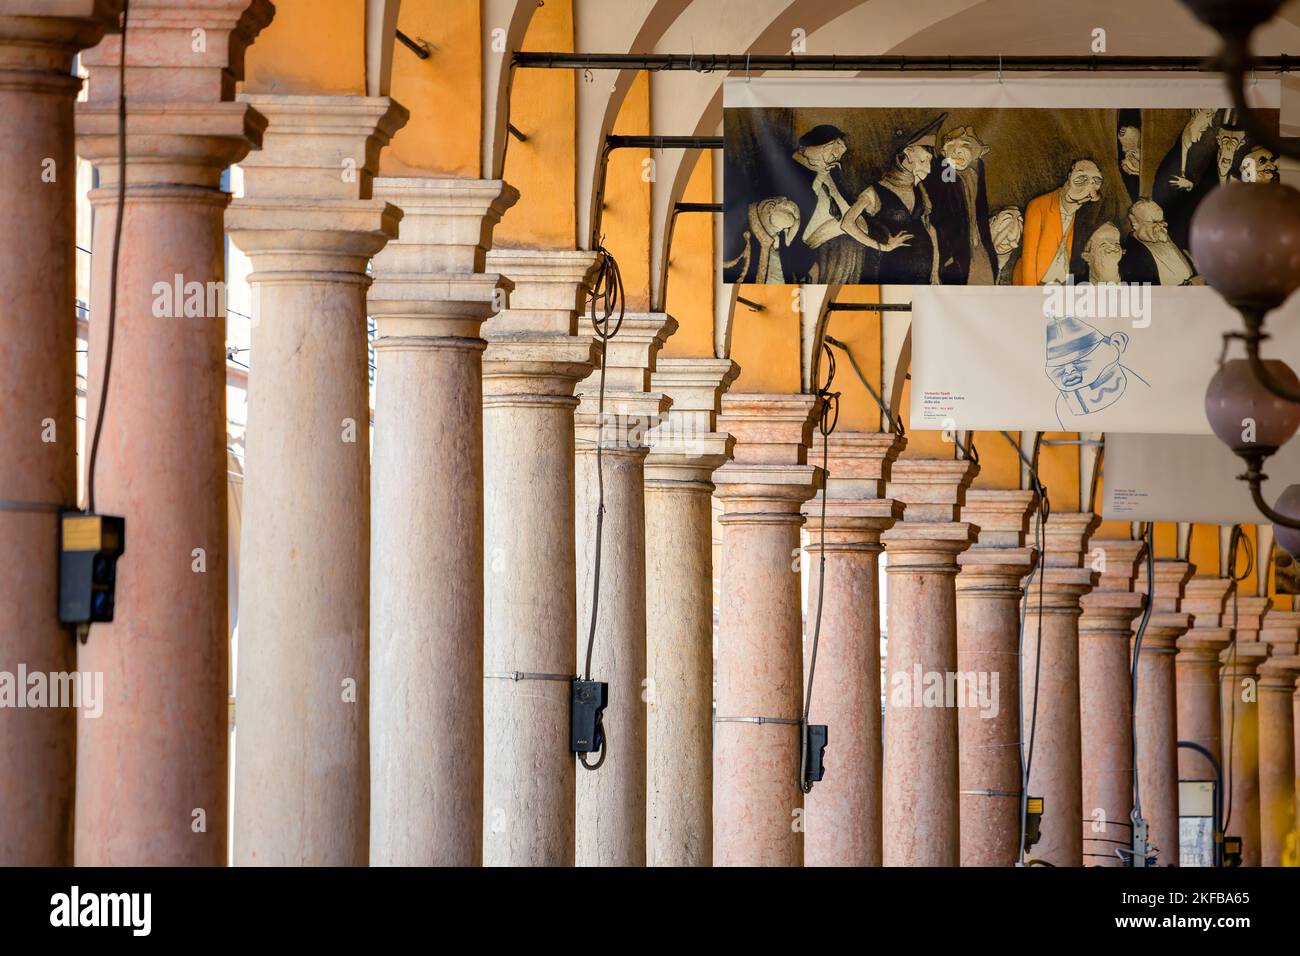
x=1086 y=367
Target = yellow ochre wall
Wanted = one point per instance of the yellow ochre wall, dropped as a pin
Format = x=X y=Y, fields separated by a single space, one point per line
x=332 y=63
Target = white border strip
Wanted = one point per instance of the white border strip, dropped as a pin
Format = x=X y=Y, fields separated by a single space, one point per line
x=1078 y=91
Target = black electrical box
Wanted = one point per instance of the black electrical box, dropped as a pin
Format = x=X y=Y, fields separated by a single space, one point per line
x=1232 y=851
x=815 y=746
x=1033 y=821
x=89 y=546
x=588 y=702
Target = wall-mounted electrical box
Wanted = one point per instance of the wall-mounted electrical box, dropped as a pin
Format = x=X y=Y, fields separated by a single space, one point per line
x=89 y=546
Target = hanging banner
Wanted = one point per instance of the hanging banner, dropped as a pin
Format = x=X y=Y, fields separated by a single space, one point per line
x=1133 y=359
x=977 y=182
x=1187 y=478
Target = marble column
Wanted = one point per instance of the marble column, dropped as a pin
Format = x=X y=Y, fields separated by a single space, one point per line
x=988 y=637
x=1240 y=703
x=1111 y=610
x=152 y=770
x=685 y=449
x=1277 y=766
x=611 y=801
x=301 y=715
x=429 y=299
x=1157 y=707
x=1050 y=668
x=38 y=427
x=536 y=356
x=920 y=765
x=757 y=800
x=1197 y=674
x=843 y=812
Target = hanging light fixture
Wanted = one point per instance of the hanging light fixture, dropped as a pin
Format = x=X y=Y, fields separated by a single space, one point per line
x=1246 y=242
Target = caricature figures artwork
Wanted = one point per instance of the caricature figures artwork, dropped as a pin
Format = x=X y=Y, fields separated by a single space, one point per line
x=974 y=196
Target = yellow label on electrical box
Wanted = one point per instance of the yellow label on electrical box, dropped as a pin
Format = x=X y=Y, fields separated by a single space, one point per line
x=81 y=533
x=1034 y=805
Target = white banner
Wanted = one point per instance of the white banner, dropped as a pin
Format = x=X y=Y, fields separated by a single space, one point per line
x=1187 y=478
x=1027 y=359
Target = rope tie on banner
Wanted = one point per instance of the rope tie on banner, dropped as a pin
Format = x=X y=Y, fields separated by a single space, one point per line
x=607 y=294
x=828 y=418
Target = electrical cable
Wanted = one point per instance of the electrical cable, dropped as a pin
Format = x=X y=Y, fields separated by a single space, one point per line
x=826 y=422
x=1235 y=542
x=1040 y=540
x=113 y=269
x=895 y=426
x=1136 y=813
x=607 y=291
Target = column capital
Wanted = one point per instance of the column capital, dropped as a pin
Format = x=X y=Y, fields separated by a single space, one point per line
x=534 y=352
x=1171 y=576
x=1202 y=645
x=1279 y=672
x=932 y=489
x=1121 y=562
x=1206 y=598
x=1110 y=612
x=684 y=446
x=926 y=546
x=1281 y=629
x=770 y=469
x=1061 y=588
x=1250 y=615
x=859 y=463
x=1065 y=538
x=631 y=409
x=183 y=127
x=994 y=571
x=430 y=282
x=1000 y=514
x=1243 y=658
x=307 y=205
x=549 y=291
x=850 y=525
x=35 y=40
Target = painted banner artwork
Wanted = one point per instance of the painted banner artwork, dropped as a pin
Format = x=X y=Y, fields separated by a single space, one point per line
x=1131 y=359
x=976 y=182
x=1186 y=478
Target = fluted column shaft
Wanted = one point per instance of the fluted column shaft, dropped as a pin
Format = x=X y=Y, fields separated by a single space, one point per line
x=988 y=633
x=684 y=452
x=843 y=811
x=426 y=615
x=1050 y=669
x=1106 y=701
x=302 y=726
x=611 y=802
x=38 y=427
x=534 y=360
x=152 y=771
x=920 y=764
x=757 y=801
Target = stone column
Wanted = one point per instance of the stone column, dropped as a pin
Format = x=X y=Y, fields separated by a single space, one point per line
x=757 y=800
x=1197 y=674
x=1240 y=694
x=684 y=451
x=38 y=427
x=535 y=358
x=988 y=637
x=920 y=767
x=611 y=802
x=842 y=814
x=152 y=770
x=1050 y=669
x=1110 y=612
x=426 y=613
x=1277 y=767
x=1251 y=610
x=301 y=717
x=1157 y=707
